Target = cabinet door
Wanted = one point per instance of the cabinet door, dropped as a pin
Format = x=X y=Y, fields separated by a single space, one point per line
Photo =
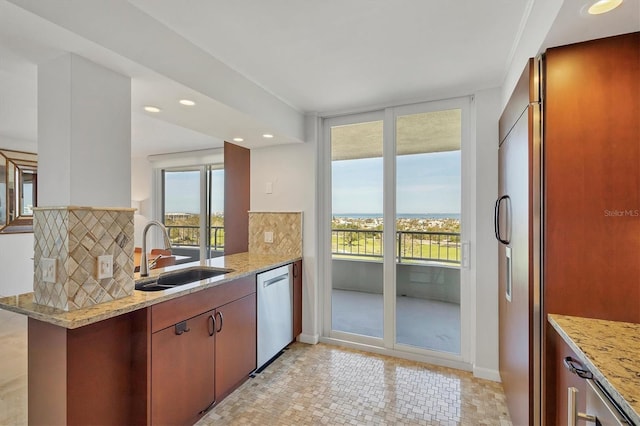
x=297 y=298
x=235 y=344
x=182 y=371
x=559 y=379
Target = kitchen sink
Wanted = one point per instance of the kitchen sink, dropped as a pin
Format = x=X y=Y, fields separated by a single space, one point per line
x=181 y=277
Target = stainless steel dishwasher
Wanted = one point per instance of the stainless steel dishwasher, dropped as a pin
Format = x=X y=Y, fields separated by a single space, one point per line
x=275 y=313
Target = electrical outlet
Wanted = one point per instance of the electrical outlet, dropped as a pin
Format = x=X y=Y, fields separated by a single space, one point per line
x=48 y=267
x=105 y=267
x=268 y=237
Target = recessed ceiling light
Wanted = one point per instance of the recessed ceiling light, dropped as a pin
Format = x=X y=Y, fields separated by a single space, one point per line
x=238 y=139
x=187 y=102
x=603 y=6
x=150 y=108
x=267 y=135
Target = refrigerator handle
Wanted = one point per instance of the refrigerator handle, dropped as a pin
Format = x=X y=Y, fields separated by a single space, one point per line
x=496 y=219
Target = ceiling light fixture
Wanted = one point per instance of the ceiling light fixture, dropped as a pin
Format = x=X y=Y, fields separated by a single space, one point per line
x=187 y=102
x=603 y=6
x=150 y=108
x=238 y=139
x=267 y=135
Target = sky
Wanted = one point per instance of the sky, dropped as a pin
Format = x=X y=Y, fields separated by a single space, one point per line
x=183 y=192
x=426 y=183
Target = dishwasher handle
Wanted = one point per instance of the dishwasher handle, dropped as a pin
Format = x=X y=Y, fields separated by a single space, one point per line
x=275 y=280
x=573 y=415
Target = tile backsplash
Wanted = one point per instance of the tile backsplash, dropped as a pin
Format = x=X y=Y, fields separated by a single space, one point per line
x=286 y=228
x=75 y=237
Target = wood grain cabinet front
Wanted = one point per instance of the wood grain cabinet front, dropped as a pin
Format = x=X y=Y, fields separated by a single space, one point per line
x=235 y=352
x=559 y=379
x=297 y=298
x=182 y=371
x=203 y=346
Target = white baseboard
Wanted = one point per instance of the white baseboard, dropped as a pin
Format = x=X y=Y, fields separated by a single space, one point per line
x=486 y=373
x=310 y=339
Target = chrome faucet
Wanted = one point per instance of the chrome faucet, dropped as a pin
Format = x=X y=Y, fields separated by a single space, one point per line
x=144 y=265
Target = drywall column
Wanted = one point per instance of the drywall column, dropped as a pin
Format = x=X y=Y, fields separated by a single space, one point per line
x=84 y=134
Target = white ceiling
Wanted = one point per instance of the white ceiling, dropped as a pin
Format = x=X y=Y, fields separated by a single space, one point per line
x=256 y=66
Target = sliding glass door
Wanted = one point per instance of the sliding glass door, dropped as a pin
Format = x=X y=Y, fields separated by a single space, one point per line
x=427 y=217
x=193 y=210
x=356 y=229
x=395 y=225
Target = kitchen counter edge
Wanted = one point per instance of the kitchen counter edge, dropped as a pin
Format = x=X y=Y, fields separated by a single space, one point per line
x=609 y=349
x=242 y=264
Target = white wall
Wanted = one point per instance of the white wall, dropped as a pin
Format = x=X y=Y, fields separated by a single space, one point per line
x=534 y=30
x=18 y=144
x=16 y=264
x=484 y=253
x=84 y=134
x=16 y=250
x=141 y=189
x=291 y=171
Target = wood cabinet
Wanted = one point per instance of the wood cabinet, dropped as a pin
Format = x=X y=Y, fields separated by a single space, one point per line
x=592 y=174
x=560 y=379
x=203 y=346
x=182 y=370
x=164 y=364
x=297 y=298
x=235 y=353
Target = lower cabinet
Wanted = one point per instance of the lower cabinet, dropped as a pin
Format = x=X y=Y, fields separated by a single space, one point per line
x=235 y=352
x=559 y=379
x=203 y=346
x=182 y=370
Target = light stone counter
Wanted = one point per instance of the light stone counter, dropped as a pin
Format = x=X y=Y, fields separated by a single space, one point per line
x=611 y=351
x=243 y=264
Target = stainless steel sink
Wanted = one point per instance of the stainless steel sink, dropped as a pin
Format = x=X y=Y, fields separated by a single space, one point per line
x=181 y=277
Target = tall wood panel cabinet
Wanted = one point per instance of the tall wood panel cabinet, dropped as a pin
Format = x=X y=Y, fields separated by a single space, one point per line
x=575 y=248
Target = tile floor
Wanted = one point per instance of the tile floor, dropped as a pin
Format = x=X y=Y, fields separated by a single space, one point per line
x=309 y=385
x=13 y=368
x=328 y=385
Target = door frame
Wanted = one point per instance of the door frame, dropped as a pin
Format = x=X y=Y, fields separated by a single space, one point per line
x=387 y=344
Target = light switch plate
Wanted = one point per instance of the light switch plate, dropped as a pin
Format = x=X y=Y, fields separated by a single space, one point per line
x=105 y=267
x=268 y=237
x=48 y=266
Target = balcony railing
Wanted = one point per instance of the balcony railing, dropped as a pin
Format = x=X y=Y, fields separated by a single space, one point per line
x=410 y=245
x=189 y=236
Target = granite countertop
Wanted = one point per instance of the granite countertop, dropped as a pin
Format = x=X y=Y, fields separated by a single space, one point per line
x=611 y=351
x=242 y=264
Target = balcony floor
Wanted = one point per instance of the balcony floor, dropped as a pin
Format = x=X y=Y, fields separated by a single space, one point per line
x=428 y=324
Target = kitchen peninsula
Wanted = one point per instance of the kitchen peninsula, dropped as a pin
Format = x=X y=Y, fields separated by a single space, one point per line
x=94 y=365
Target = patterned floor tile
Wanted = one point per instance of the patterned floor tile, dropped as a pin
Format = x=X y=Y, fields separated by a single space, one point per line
x=329 y=385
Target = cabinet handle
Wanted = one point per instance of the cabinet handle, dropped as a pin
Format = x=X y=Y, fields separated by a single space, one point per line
x=572 y=409
x=576 y=368
x=212 y=325
x=496 y=219
x=182 y=327
x=221 y=322
x=295 y=270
